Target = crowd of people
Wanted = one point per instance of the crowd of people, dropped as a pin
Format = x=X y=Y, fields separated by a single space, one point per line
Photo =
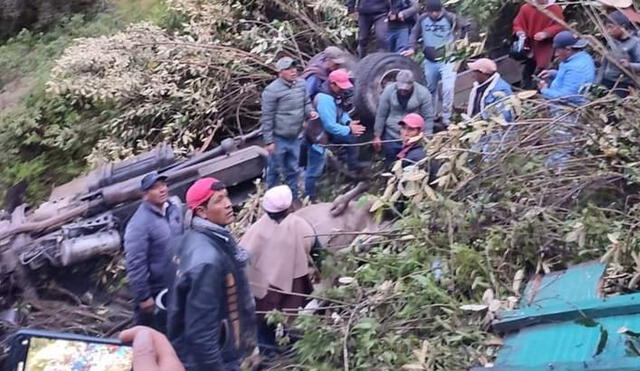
x=218 y=291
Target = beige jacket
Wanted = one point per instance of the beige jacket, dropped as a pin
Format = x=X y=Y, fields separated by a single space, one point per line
x=279 y=253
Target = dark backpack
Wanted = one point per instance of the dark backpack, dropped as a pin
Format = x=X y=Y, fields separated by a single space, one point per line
x=314 y=131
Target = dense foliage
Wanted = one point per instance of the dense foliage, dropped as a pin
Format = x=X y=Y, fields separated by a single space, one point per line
x=423 y=294
x=46 y=136
x=192 y=73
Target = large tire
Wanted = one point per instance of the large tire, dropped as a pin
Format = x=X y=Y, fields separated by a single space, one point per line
x=372 y=74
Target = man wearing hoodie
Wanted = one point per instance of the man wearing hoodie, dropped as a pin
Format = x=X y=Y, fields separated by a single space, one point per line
x=211 y=310
x=438 y=29
x=319 y=68
x=370 y=13
x=538 y=30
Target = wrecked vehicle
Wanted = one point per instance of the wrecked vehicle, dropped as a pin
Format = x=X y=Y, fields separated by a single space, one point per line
x=86 y=217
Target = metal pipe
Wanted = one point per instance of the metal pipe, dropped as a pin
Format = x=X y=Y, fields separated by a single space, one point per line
x=48 y=223
x=79 y=249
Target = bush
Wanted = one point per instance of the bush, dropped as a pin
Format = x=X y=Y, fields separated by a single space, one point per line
x=47 y=137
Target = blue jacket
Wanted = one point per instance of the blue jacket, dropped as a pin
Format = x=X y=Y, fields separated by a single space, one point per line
x=334 y=120
x=493 y=100
x=574 y=73
x=146 y=245
x=211 y=312
x=412 y=154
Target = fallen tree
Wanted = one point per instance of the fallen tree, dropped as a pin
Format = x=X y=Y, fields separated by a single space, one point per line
x=200 y=83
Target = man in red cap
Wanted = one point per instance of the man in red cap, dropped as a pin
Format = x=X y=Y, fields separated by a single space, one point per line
x=337 y=123
x=211 y=312
x=411 y=131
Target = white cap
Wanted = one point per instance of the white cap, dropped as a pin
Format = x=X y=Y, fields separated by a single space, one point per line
x=277 y=199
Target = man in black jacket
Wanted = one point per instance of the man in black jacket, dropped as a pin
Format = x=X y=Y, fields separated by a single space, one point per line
x=370 y=13
x=146 y=245
x=211 y=310
x=402 y=17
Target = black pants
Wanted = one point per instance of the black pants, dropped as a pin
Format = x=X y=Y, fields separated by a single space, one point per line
x=156 y=320
x=380 y=27
x=621 y=88
x=528 y=71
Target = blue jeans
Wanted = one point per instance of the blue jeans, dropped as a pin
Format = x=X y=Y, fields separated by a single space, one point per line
x=435 y=72
x=561 y=133
x=398 y=39
x=313 y=171
x=284 y=162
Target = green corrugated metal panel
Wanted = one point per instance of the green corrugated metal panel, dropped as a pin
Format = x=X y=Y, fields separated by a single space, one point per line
x=549 y=346
x=561 y=324
x=559 y=288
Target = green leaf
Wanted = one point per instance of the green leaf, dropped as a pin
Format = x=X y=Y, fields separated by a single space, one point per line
x=632 y=347
x=586 y=321
x=366 y=324
x=604 y=336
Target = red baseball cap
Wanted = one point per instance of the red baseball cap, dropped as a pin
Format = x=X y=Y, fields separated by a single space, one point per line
x=413 y=120
x=202 y=190
x=340 y=77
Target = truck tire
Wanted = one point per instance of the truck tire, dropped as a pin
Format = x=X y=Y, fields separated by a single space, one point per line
x=372 y=74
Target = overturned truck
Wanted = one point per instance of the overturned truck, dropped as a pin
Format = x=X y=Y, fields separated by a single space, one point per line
x=86 y=217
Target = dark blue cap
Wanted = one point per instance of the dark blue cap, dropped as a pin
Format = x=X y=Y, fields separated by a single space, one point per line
x=620 y=19
x=566 y=39
x=434 y=5
x=150 y=179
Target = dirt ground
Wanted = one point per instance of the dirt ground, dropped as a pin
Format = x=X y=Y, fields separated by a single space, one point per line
x=13 y=91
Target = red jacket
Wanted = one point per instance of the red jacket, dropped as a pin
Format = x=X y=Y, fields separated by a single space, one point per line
x=531 y=21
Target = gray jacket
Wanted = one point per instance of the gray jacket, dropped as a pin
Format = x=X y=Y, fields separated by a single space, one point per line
x=285 y=106
x=436 y=35
x=146 y=245
x=390 y=112
x=628 y=49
